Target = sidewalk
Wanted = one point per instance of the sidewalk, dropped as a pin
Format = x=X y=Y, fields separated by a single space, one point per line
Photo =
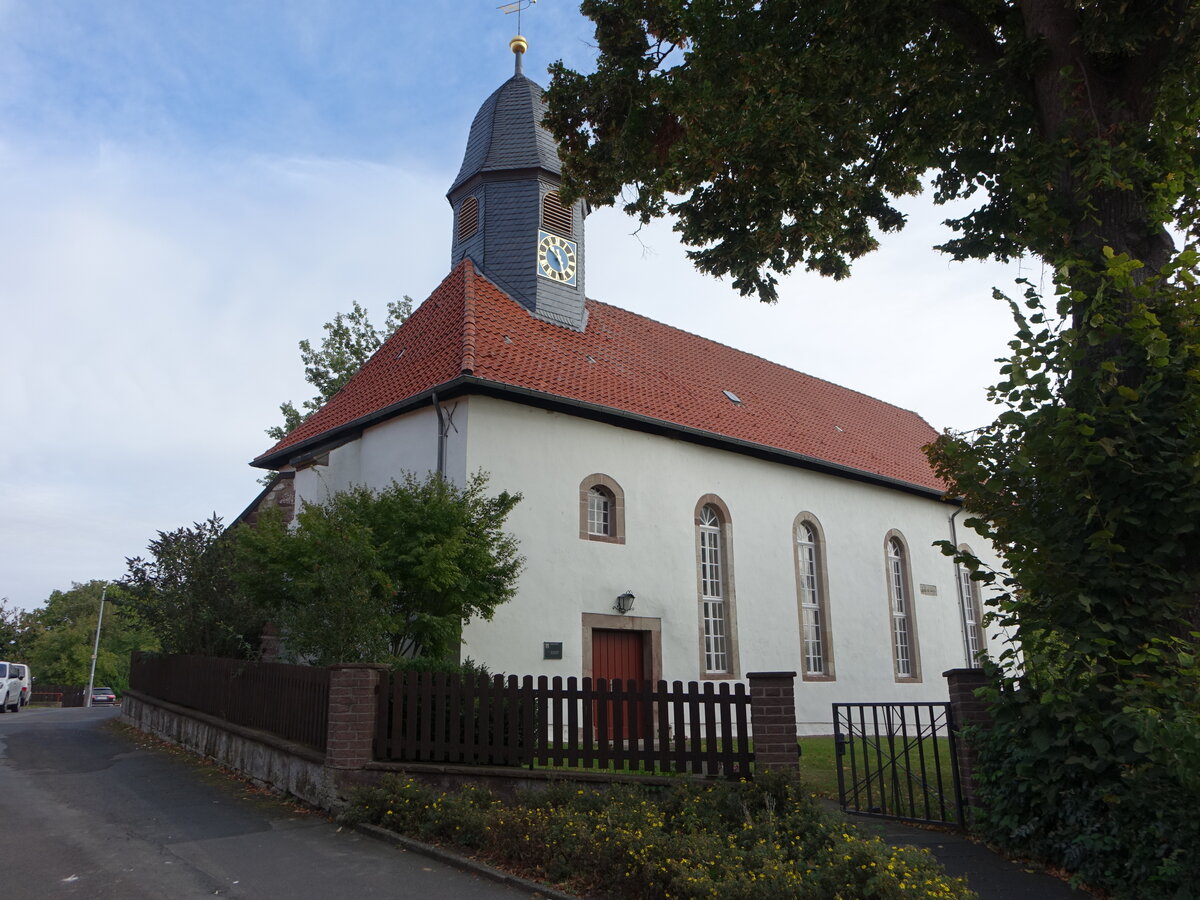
x=990 y=875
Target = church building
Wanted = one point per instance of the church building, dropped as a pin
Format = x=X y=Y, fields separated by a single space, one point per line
x=690 y=511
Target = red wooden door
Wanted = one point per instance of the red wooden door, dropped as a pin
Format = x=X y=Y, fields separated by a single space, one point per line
x=620 y=655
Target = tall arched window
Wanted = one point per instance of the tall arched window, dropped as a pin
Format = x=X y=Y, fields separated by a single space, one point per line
x=904 y=636
x=814 y=610
x=712 y=591
x=972 y=613
x=715 y=581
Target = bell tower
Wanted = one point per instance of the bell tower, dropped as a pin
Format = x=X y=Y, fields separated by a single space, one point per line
x=508 y=215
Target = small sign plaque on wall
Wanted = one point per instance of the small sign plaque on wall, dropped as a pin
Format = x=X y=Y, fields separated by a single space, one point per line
x=552 y=650
x=929 y=590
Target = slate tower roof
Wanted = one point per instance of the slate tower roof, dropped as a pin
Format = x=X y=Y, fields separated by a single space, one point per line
x=506 y=135
x=508 y=217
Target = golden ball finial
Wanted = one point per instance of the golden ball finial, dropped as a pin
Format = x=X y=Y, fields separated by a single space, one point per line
x=518 y=44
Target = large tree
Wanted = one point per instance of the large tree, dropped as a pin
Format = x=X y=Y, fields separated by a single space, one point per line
x=17 y=628
x=781 y=132
x=375 y=576
x=349 y=341
x=186 y=593
x=60 y=637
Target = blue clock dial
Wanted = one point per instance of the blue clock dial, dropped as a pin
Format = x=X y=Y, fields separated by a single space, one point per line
x=556 y=258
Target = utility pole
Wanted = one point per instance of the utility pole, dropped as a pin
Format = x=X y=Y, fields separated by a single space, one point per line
x=96 y=648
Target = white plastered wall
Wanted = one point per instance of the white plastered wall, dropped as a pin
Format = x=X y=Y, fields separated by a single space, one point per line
x=544 y=455
x=407 y=443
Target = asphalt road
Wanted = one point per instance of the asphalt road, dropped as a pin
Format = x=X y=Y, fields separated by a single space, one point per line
x=89 y=808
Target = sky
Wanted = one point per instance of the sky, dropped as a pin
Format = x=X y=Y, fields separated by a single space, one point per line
x=189 y=189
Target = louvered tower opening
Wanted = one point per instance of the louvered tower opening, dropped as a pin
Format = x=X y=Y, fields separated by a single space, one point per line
x=555 y=216
x=468 y=218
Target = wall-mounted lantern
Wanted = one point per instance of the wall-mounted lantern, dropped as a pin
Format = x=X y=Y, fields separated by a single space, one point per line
x=625 y=602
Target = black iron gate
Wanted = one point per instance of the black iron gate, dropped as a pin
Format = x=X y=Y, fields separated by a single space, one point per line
x=898 y=761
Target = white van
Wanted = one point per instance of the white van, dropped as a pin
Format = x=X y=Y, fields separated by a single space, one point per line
x=10 y=689
x=22 y=671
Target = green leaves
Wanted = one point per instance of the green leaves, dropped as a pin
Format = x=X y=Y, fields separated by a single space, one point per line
x=780 y=133
x=350 y=340
x=186 y=594
x=375 y=576
x=1089 y=485
x=57 y=639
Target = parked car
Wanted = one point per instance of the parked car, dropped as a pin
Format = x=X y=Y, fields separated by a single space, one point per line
x=22 y=671
x=104 y=696
x=10 y=689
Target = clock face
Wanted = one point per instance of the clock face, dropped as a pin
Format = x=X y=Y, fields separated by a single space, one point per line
x=556 y=258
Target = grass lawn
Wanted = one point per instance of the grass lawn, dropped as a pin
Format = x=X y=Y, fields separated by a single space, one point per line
x=818 y=765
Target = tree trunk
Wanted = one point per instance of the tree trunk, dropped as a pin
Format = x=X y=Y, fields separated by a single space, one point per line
x=1092 y=109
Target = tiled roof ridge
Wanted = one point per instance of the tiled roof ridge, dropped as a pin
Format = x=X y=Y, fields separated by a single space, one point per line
x=469 y=276
x=747 y=353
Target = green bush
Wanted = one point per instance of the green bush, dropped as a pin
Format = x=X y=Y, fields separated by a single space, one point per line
x=441 y=664
x=732 y=841
x=1089 y=487
x=1104 y=789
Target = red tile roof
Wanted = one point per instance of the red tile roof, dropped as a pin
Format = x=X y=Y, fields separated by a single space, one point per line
x=628 y=364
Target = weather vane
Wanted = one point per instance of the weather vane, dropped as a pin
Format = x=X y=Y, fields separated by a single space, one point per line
x=517 y=6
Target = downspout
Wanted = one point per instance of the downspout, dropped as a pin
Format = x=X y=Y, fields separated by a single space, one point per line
x=958 y=586
x=953 y=535
x=443 y=437
x=443 y=433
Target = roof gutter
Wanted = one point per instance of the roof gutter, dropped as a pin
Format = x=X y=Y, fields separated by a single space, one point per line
x=472 y=384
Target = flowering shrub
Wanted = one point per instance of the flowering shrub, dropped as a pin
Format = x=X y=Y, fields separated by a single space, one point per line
x=768 y=839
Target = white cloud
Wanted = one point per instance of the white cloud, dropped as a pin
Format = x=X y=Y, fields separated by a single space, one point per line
x=153 y=313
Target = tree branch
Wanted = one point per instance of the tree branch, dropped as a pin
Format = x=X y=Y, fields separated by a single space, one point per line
x=971 y=30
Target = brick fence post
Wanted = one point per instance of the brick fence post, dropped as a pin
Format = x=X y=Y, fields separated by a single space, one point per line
x=353 y=701
x=773 y=720
x=967 y=709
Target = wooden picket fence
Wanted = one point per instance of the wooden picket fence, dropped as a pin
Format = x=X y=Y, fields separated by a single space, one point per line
x=575 y=723
x=63 y=694
x=289 y=701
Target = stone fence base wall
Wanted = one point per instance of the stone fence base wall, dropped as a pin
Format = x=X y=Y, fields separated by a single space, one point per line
x=299 y=771
x=266 y=760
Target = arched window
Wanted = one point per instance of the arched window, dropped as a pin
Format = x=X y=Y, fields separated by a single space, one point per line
x=904 y=636
x=715 y=579
x=972 y=613
x=600 y=503
x=811 y=587
x=601 y=510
